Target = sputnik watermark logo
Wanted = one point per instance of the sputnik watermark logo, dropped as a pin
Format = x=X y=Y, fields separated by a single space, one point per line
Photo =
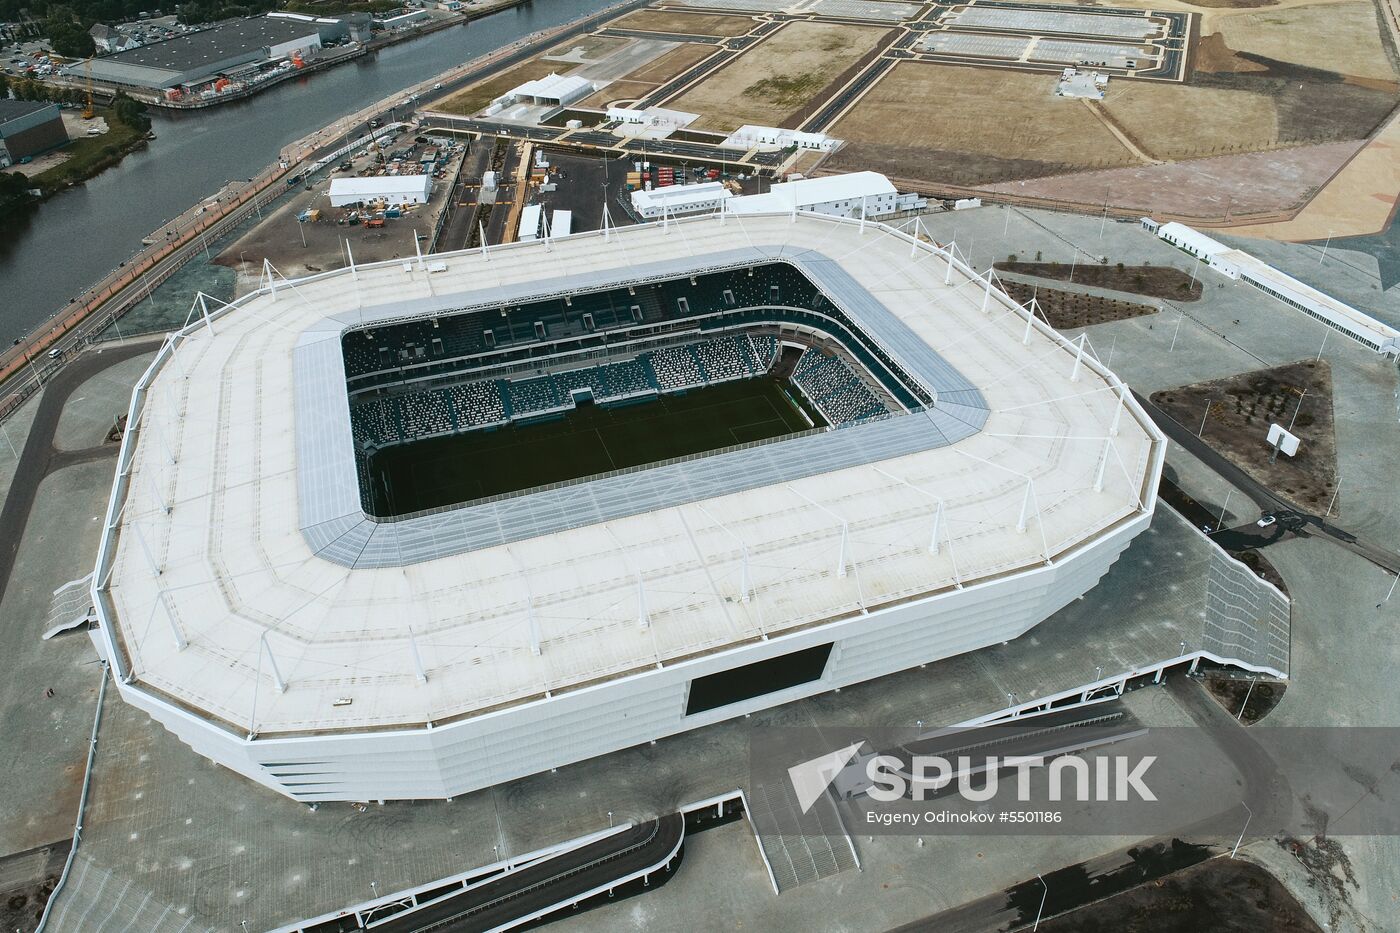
x=888 y=778
x=1117 y=778
x=810 y=779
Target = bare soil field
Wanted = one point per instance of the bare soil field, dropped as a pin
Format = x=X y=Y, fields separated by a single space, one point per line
x=1342 y=37
x=1242 y=407
x=471 y=99
x=778 y=76
x=1174 y=121
x=664 y=68
x=1070 y=310
x=965 y=125
x=1221 y=895
x=1250 y=183
x=692 y=24
x=1149 y=281
x=589 y=47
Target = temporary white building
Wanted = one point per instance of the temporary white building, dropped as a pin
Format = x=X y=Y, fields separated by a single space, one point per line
x=680 y=199
x=395 y=189
x=1241 y=266
x=855 y=194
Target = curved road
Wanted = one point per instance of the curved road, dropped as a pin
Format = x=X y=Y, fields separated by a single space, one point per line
x=1290 y=519
x=554 y=881
x=39 y=457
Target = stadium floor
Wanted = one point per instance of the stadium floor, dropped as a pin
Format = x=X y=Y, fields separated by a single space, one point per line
x=583 y=442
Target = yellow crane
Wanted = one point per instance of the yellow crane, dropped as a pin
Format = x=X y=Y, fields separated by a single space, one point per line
x=88 y=110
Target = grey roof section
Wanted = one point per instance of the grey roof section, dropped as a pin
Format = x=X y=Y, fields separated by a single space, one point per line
x=13 y=109
x=337 y=529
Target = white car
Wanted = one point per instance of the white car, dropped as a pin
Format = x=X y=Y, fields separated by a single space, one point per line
x=1266 y=521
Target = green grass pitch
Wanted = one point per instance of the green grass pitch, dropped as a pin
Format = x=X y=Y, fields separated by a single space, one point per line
x=586 y=441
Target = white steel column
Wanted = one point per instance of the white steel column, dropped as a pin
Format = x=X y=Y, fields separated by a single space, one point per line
x=277 y=680
x=204 y=310
x=1103 y=464
x=417 y=658
x=354 y=274
x=643 y=619
x=1078 y=358
x=948 y=273
x=987 y=295
x=1030 y=316
x=1025 y=507
x=845 y=530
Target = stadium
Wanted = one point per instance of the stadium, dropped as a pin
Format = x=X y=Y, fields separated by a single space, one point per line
x=413 y=529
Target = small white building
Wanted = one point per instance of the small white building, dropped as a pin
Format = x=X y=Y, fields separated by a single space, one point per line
x=675 y=200
x=561 y=223
x=854 y=194
x=749 y=136
x=1242 y=267
x=392 y=189
x=403 y=20
x=529 y=228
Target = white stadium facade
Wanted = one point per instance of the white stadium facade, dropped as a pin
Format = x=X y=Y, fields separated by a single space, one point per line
x=980 y=472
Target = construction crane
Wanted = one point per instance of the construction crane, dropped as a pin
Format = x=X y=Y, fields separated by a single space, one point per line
x=88 y=110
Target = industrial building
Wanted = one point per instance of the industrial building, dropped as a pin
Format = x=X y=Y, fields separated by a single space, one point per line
x=856 y=194
x=233 y=50
x=391 y=189
x=247 y=602
x=1242 y=267
x=28 y=128
x=675 y=200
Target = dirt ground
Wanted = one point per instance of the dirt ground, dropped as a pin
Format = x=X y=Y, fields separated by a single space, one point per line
x=1151 y=281
x=778 y=76
x=1250 y=183
x=279 y=237
x=617 y=91
x=1242 y=407
x=694 y=24
x=472 y=99
x=1342 y=37
x=1244 y=698
x=1360 y=199
x=1068 y=310
x=965 y=125
x=1222 y=895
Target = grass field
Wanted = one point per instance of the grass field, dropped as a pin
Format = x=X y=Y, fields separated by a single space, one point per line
x=776 y=77
x=1341 y=37
x=989 y=124
x=586 y=441
x=1175 y=121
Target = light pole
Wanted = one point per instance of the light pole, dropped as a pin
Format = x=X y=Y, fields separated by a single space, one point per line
x=1323 y=257
x=1244 y=830
x=1378 y=605
x=1043 y=895
x=1203 y=419
x=1228 y=493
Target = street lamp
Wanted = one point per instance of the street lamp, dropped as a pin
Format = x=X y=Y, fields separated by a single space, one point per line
x=1044 y=894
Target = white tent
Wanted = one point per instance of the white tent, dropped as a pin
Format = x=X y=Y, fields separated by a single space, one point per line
x=395 y=189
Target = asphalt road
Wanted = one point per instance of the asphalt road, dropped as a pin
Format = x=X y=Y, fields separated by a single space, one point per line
x=1289 y=519
x=553 y=881
x=39 y=457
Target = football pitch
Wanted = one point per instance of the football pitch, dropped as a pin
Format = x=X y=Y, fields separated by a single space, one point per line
x=585 y=441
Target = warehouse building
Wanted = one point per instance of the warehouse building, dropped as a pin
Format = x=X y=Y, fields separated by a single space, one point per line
x=231 y=50
x=1242 y=267
x=391 y=189
x=28 y=128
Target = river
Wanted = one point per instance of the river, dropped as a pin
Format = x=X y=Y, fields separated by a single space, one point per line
x=55 y=251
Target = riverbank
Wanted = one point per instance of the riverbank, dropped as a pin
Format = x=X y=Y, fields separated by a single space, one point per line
x=84 y=317
x=86 y=157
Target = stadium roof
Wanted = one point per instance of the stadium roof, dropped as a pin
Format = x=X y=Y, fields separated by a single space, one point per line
x=219 y=595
